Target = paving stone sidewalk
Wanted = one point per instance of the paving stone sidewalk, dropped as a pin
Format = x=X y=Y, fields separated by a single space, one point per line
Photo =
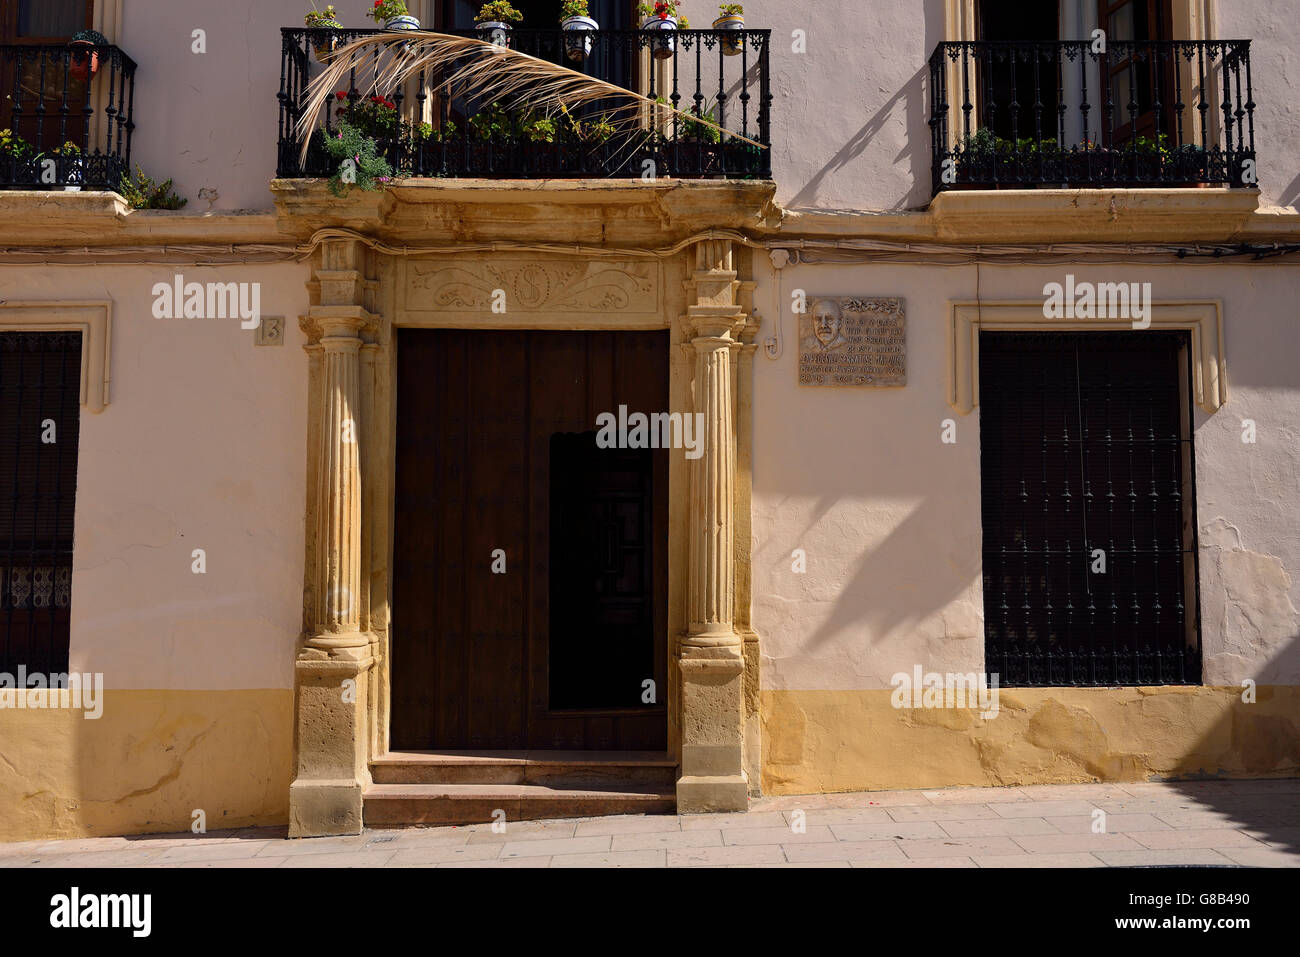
x=1218 y=823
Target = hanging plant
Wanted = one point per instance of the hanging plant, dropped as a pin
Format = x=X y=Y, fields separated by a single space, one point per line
x=731 y=18
x=393 y=15
x=578 y=24
x=359 y=162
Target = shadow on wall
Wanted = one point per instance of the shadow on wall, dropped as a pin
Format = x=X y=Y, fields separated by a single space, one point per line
x=905 y=578
x=914 y=153
x=1256 y=743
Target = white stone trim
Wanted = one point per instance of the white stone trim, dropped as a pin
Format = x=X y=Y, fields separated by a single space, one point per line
x=1203 y=319
x=94 y=320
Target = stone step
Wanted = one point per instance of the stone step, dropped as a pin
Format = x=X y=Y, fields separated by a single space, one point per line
x=595 y=770
x=393 y=805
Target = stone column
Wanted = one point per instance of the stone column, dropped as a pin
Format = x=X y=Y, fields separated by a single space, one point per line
x=335 y=653
x=711 y=654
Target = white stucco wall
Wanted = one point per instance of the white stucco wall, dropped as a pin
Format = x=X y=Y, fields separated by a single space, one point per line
x=889 y=516
x=849 y=114
x=202 y=445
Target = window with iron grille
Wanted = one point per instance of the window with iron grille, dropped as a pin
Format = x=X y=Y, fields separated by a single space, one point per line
x=40 y=381
x=1088 y=501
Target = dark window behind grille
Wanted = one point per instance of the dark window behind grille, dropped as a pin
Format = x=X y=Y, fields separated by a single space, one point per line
x=40 y=379
x=1086 y=445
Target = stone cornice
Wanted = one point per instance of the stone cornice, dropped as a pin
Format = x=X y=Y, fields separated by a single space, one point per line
x=100 y=226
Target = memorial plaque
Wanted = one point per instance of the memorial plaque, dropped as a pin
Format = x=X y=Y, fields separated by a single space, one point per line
x=853 y=342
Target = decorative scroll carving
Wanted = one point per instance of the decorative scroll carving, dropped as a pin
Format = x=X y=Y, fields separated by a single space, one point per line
x=530 y=286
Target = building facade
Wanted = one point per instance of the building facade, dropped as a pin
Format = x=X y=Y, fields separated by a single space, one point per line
x=963 y=354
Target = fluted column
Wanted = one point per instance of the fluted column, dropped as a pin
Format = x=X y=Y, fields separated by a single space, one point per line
x=711 y=652
x=335 y=655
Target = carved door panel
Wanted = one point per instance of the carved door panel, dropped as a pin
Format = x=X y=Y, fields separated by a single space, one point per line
x=530 y=585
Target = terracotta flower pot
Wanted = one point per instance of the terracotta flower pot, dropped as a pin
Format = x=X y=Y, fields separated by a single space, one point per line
x=82 y=64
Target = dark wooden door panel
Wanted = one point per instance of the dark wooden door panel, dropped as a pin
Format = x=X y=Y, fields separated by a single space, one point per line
x=479 y=417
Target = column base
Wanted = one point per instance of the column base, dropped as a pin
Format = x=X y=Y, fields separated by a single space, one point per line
x=699 y=794
x=324 y=808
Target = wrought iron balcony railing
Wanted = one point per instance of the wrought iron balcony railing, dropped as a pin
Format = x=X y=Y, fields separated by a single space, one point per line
x=66 y=116
x=1072 y=113
x=431 y=129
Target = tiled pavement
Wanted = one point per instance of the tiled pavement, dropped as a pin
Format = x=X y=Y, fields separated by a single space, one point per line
x=1223 y=823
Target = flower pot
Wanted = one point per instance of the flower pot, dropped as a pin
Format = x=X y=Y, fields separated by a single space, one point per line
x=402 y=23
x=664 y=43
x=578 y=46
x=83 y=64
x=496 y=32
x=326 y=41
x=73 y=179
x=731 y=46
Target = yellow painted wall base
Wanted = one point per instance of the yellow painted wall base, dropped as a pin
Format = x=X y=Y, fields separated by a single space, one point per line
x=819 y=741
x=146 y=764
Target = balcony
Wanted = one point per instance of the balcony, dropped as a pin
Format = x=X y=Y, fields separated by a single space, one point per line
x=430 y=128
x=1021 y=114
x=66 y=117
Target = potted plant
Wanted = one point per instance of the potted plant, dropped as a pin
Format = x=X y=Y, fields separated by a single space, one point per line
x=495 y=20
x=394 y=15
x=731 y=16
x=85 y=64
x=326 y=22
x=69 y=165
x=661 y=15
x=575 y=18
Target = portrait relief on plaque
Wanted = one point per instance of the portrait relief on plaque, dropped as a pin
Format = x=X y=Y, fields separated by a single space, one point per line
x=853 y=342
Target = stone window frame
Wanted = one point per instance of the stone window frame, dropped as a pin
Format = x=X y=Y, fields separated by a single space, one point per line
x=93 y=319
x=967 y=318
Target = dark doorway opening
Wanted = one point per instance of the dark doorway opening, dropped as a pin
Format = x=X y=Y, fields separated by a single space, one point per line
x=529 y=565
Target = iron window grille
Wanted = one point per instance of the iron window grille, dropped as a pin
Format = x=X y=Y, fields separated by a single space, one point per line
x=40 y=379
x=1088 y=500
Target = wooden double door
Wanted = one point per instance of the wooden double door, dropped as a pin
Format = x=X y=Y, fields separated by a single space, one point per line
x=530 y=565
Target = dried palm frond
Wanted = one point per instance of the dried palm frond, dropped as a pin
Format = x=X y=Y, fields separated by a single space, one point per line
x=477 y=69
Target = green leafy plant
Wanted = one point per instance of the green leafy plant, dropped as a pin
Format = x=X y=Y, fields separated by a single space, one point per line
x=68 y=150
x=13 y=145
x=691 y=130
x=499 y=11
x=731 y=10
x=492 y=123
x=540 y=129
x=574 y=8
x=387 y=10
x=325 y=18
x=90 y=36
x=359 y=154
x=141 y=192
x=422 y=133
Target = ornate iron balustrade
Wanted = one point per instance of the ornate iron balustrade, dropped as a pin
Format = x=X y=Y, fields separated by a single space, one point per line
x=431 y=130
x=66 y=117
x=1062 y=113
